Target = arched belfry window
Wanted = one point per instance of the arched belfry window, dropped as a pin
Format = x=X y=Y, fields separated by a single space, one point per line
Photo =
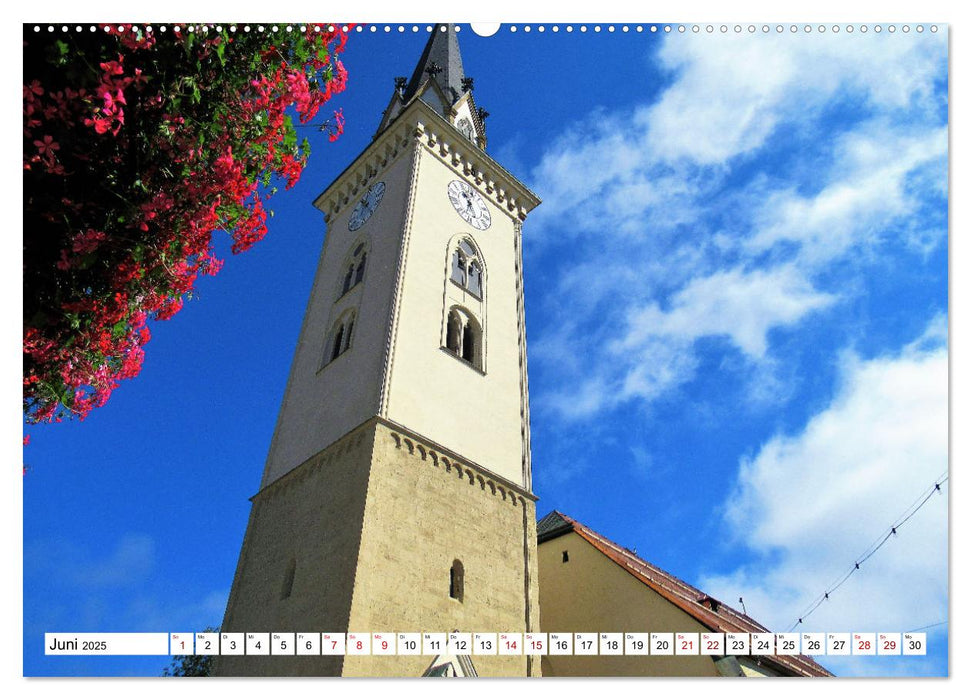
x=463 y=336
x=340 y=337
x=354 y=266
x=466 y=269
x=464 y=302
x=456 y=581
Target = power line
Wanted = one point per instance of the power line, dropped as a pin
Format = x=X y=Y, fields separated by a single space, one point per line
x=927 y=627
x=874 y=547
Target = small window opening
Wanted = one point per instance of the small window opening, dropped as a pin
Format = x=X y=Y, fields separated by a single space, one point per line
x=456 y=581
x=466 y=268
x=347 y=280
x=458 y=268
x=354 y=274
x=338 y=343
x=340 y=339
x=566 y=557
x=288 y=579
x=463 y=338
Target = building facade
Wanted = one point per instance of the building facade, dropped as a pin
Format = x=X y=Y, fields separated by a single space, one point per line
x=590 y=584
x=397 y=493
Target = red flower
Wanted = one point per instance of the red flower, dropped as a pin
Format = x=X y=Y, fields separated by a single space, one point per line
x=47 y=146
x=125 y=260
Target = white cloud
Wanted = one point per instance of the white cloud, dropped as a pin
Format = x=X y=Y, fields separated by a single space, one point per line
x=732 y=91
x=866 y=195
x=742 y=305
x=808 y=504
x=681 y=225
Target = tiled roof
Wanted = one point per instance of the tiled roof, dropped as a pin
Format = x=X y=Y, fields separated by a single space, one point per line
x=713 y=614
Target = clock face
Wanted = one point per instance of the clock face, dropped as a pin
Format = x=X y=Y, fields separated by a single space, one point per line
x=469 y=204
x=369 y=202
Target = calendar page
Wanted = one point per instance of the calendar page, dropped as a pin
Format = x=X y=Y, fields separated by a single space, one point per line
x=281 y=417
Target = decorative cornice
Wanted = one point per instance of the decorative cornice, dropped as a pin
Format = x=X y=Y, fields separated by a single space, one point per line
x=364 y=170
x=437 y=456
x=415 y=445
x=422 y=123
x=453 y=149
x=300 y=473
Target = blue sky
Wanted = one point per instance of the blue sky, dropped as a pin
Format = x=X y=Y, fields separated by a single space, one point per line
x=737 y=307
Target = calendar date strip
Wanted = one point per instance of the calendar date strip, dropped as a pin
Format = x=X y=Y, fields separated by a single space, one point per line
x=486 y=643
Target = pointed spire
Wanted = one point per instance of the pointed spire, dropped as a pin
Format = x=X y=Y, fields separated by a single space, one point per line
x=441 y=61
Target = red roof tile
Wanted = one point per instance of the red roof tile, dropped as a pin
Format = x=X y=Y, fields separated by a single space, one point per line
x=713 y=614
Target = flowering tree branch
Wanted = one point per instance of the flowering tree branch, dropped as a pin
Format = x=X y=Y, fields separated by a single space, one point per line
x=138 y=147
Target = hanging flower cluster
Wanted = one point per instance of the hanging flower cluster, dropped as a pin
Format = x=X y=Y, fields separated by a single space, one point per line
x=138 y=147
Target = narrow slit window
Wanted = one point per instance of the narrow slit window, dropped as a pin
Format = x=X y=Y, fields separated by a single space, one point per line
x=347 y=335
x=456 y=581
x=347 y=280
x=338 y=342
x=356 y=264
x=288 y=577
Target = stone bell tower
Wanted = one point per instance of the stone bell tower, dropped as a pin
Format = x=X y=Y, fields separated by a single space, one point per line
x=397 y=493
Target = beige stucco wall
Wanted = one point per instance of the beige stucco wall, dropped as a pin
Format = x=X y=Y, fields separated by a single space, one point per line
x=374 y=524
x=590 y=593
x=423 y=513
x=477 y=415
x=753 y=669
x=314 y=516
x=321 y=403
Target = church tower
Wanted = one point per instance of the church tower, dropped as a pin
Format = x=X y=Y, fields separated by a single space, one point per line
x=397 y=494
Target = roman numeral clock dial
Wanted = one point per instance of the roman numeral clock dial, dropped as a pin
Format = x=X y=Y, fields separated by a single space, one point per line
x=369 y=202
x=469 y=204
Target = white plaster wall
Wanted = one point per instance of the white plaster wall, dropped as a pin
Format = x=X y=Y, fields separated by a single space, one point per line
x=431 y=392
x=322 y=403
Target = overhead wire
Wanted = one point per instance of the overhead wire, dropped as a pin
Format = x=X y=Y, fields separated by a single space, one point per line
x=874 y=547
